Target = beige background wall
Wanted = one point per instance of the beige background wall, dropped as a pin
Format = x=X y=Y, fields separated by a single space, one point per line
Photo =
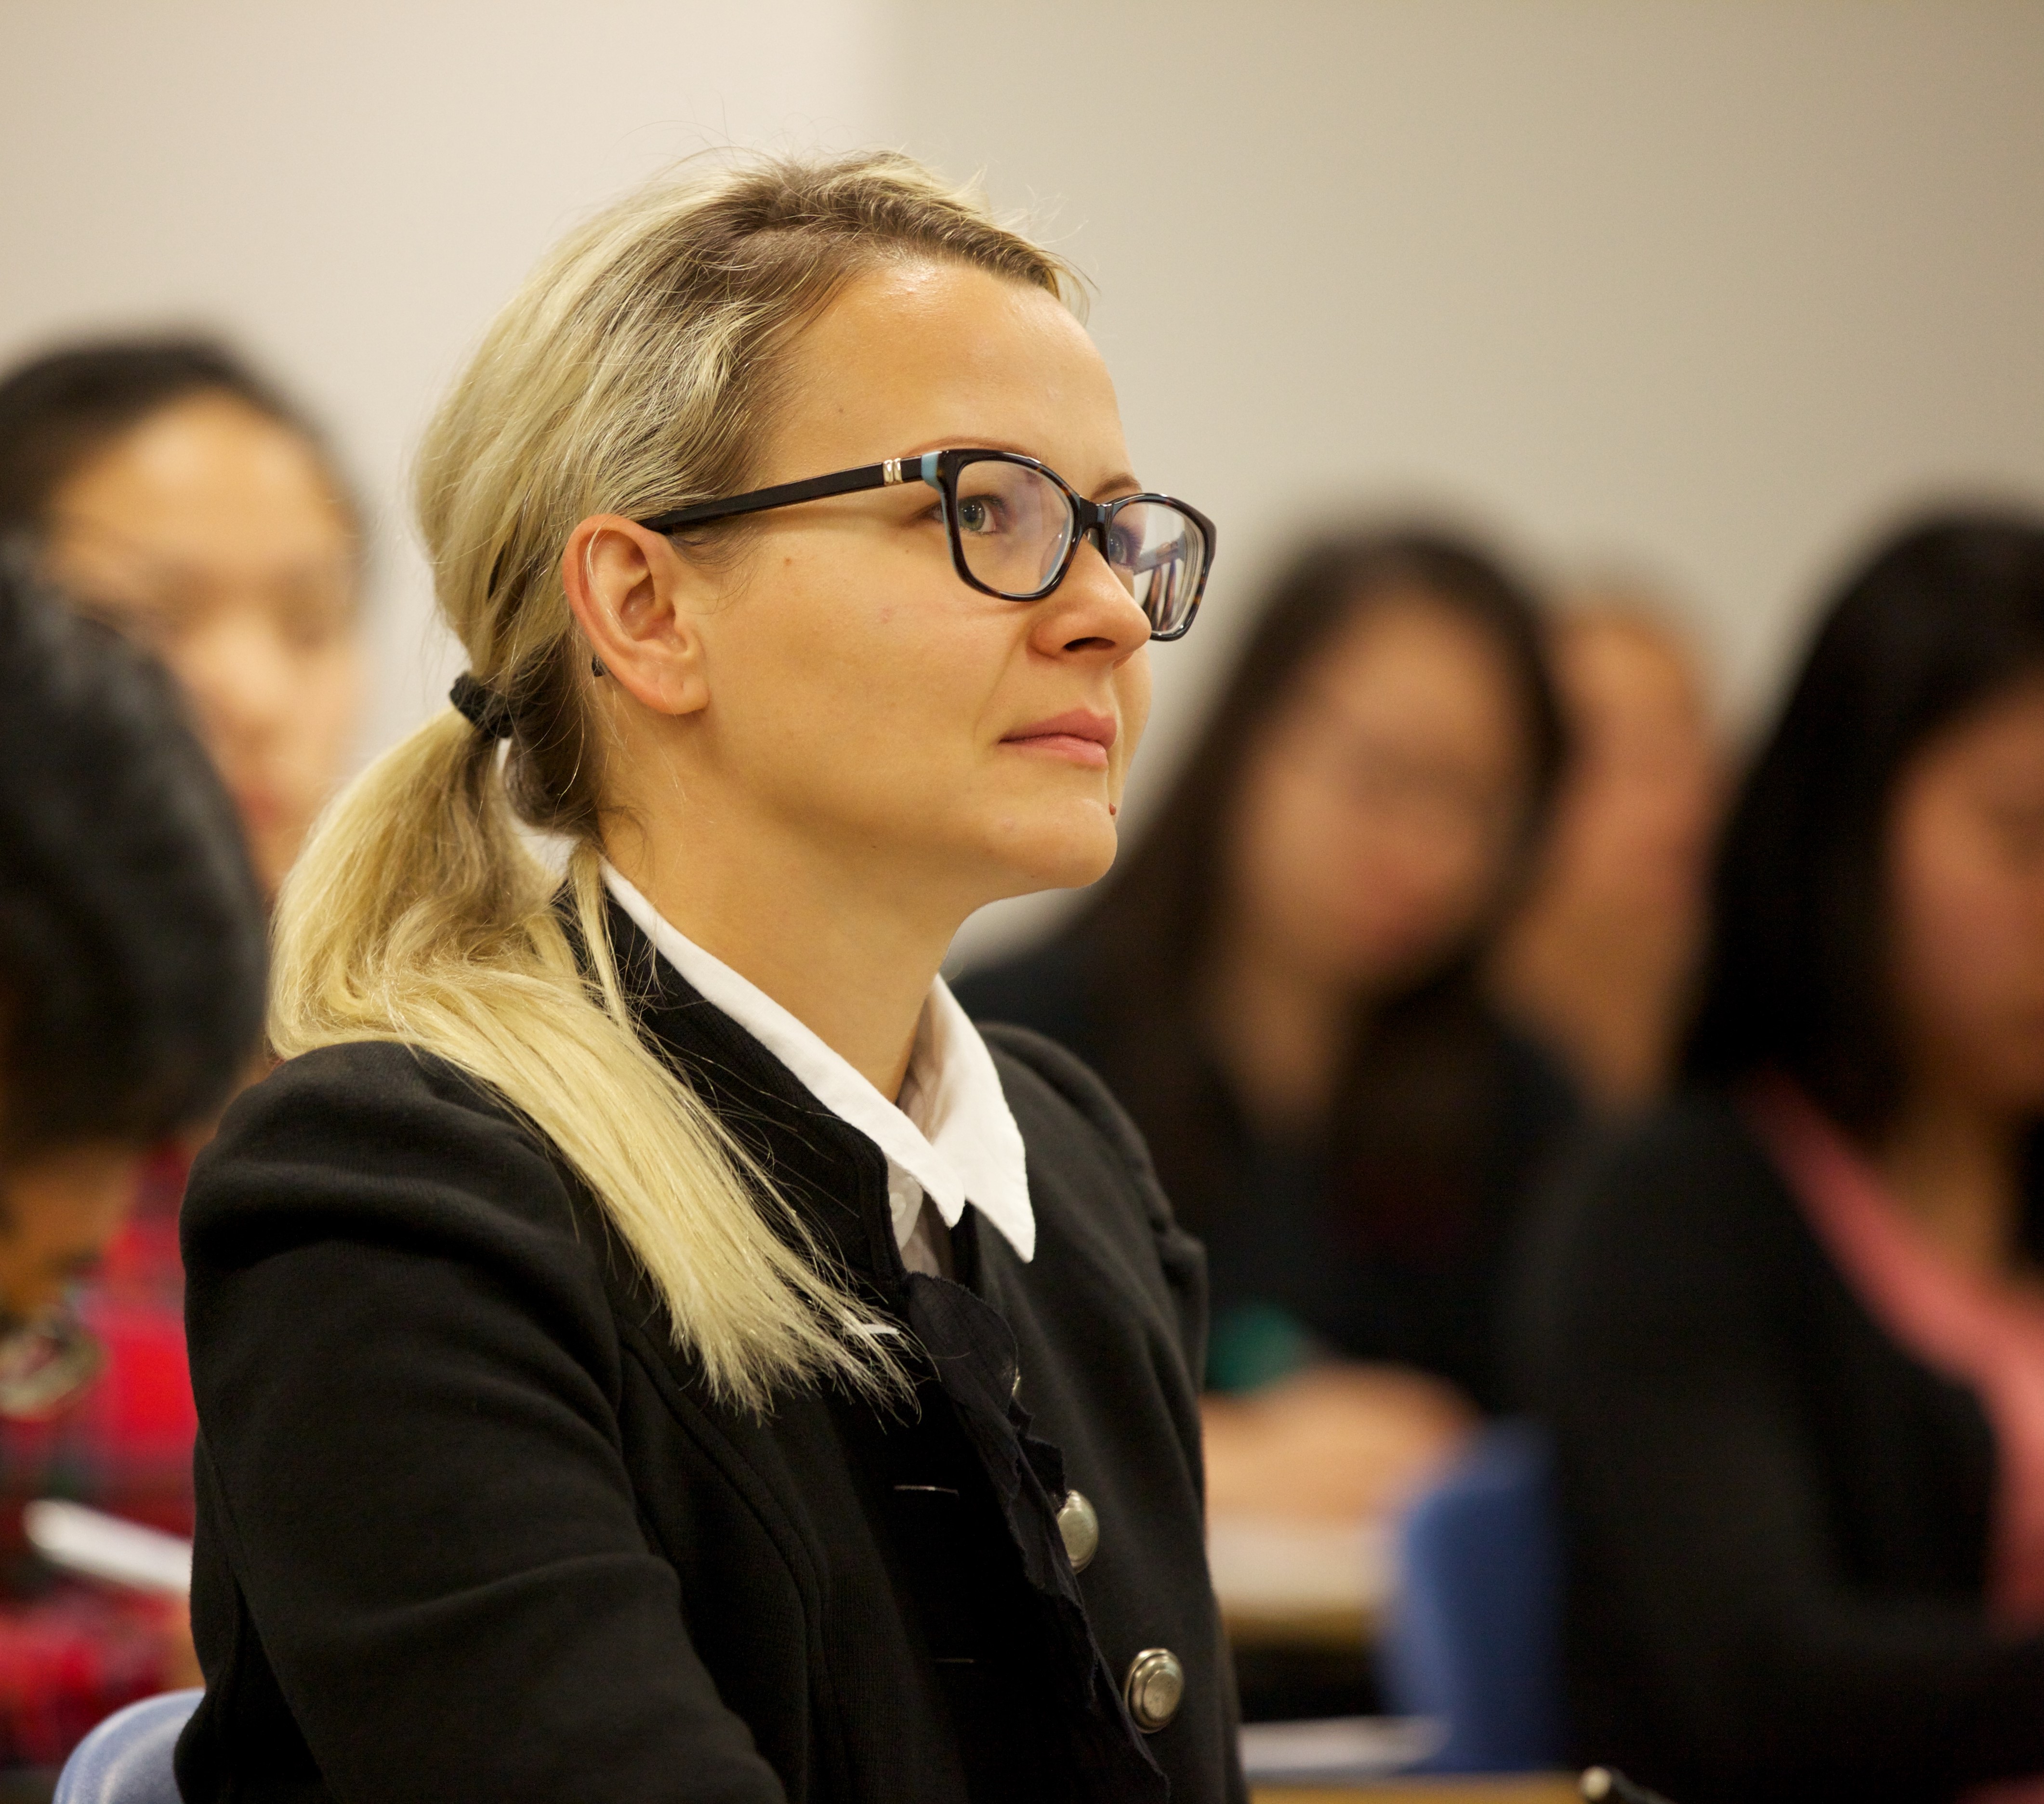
x=1705 y=289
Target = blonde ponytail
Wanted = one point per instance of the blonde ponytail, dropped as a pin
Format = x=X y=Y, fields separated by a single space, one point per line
x=634 y=373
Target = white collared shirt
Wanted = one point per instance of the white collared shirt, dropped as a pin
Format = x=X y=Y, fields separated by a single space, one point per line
x=951 y=1138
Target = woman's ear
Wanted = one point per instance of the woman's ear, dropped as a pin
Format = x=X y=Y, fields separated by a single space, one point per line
x=629 y=589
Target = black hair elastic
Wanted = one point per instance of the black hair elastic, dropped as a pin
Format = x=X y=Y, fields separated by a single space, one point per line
x=481 y=706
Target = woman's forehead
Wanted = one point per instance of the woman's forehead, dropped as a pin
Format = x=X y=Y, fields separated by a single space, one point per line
x=921 y=355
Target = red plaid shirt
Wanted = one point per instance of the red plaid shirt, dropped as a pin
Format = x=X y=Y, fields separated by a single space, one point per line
x=71 y=1652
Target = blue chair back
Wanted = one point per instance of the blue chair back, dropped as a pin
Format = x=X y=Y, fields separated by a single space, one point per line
x=1474 y=1639
x=127 y=1759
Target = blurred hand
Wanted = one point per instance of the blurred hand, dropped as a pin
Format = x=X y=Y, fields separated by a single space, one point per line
x=1336 y=1442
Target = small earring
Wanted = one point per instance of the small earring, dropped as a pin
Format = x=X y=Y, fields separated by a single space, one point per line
x=595 y=667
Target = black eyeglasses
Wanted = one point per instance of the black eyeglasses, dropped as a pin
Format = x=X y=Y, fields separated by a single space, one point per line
x=1015 y=525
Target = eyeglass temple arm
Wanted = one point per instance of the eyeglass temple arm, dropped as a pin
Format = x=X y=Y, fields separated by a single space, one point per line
x=786 y=494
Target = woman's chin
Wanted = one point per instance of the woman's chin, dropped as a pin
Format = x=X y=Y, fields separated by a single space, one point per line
x=1067 y=852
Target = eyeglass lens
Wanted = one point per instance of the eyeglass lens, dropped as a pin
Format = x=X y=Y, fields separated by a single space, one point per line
x=1159 y=554
x=1015 y=526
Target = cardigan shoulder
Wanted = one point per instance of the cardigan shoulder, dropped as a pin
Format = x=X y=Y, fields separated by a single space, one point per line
x=1071 y=1120
x=1030 y=1064
x=373 y=1108
x=383 y=1144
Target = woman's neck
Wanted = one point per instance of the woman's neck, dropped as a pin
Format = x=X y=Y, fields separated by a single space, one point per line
x=1279 y=1032
x=850 y=954
x=1955 y=1164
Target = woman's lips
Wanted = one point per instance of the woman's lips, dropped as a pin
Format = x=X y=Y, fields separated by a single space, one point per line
x=1079 y=737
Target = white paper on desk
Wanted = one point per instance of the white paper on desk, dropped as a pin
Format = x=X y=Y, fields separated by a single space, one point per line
x=1274 y=1564
x=99 y=1546
x=1337 y=1749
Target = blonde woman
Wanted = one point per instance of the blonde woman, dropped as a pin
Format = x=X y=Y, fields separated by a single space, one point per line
x=648 y=1345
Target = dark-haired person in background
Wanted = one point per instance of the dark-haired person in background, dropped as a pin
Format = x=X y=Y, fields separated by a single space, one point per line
x=1281 y=985
x=1790 y=1332
x=171 y=492
x=175 y=494
x=131 y=999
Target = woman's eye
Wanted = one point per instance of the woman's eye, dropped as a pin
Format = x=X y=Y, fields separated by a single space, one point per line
x=151 y=618
x=978 y=514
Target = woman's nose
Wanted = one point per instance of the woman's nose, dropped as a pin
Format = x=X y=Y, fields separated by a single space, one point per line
x=1091 y=613
x=239 y=671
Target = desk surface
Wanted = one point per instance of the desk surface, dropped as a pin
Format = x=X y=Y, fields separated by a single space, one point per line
x=1303 y=1584
x=1328 y=1627
x=1504 y=1788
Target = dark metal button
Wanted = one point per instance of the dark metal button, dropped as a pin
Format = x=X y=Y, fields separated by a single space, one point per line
x=1154 y=1688
x=1079 y=1523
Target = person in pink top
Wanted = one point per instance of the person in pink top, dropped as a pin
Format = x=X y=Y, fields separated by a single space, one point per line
x=1789 y=1331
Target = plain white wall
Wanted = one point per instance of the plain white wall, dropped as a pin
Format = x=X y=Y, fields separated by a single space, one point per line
x=1704 y=288
x=352 y=189
x=1702 y=285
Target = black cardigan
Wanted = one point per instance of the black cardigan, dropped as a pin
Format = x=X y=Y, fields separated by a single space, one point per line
x=470 y=1528
x=1777 y=1518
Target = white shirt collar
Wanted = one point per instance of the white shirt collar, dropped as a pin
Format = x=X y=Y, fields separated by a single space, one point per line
x=962 y=1145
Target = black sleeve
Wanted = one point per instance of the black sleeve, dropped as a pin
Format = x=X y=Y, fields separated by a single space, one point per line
x=1665 y=1329
x=407 y=1376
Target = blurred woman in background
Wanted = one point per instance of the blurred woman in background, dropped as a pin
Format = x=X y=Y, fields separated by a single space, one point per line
x=131 y=1000
x=1791 y=1332
x=170 y=493
x=1281 y=985
x=1598 y=963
